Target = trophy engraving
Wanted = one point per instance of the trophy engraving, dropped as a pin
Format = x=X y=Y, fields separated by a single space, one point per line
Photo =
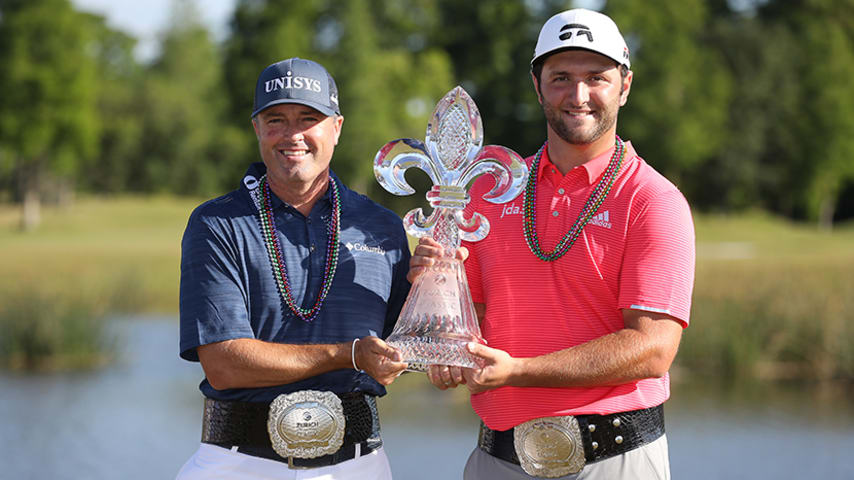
x=438 y=318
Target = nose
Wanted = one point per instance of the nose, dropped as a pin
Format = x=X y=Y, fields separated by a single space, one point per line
x=579 y=93
x=294 y=131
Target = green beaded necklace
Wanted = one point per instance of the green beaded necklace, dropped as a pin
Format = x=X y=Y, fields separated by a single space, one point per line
x=280 y=271
x=590 y=207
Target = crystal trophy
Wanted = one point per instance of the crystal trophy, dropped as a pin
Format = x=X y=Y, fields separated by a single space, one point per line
x=438 y=318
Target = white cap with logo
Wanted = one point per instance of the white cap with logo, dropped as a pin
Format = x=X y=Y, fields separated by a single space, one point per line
x=582 y=28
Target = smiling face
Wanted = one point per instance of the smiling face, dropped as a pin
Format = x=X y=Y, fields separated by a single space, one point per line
x=296 y=144
x=581 y=93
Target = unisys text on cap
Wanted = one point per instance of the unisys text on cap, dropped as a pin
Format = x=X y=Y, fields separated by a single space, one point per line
x=296 y=80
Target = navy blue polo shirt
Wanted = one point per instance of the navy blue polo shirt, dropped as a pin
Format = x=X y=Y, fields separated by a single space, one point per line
x=228 y=290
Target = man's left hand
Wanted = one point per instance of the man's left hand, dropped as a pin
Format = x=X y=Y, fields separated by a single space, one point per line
x=378 y=359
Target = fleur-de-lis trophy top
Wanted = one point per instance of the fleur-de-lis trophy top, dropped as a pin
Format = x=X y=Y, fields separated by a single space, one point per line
x=438 y=317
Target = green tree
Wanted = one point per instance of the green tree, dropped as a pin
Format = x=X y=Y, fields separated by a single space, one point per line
x=746 y=171
x=48 y=120
x=677 y=111
x=118 y=102
x=822 y=52
x=186 y=145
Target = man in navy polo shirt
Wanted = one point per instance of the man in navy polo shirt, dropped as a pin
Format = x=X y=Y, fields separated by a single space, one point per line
x=288 y=285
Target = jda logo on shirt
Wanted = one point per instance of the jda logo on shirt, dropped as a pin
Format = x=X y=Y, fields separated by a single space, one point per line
x=511 y=209
x=361 y=247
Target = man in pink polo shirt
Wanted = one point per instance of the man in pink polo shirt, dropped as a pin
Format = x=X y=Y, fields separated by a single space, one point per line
x=583 y=285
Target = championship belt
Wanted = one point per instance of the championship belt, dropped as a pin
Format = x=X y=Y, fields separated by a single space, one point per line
x=549 y=447
x=306 y=424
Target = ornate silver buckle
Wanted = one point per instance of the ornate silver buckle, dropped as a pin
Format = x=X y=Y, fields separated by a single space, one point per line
x=306 y=424
x=549 y=447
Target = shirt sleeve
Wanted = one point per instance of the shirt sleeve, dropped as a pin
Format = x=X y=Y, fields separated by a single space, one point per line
x=658 y=262
x=213 y=300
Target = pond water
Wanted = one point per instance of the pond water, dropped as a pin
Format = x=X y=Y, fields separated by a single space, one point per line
x=140 y=419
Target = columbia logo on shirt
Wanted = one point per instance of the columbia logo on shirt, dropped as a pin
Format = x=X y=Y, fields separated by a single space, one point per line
x=361 y=247
x=602 y=219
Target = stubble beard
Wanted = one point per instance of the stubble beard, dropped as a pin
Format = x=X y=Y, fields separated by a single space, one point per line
x=605 y=118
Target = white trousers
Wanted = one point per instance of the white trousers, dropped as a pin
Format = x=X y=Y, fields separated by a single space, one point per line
x=213 y=462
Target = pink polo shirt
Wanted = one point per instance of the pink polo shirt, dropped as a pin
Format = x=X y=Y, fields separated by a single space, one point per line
x=636 y=253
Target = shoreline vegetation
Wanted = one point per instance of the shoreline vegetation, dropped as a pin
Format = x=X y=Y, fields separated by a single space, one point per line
x=773 y=300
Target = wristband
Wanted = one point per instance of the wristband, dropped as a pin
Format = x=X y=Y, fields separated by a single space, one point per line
x=353 y=354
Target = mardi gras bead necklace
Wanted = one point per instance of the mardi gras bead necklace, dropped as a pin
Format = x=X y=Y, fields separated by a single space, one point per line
x=590 y=207
x=271 y=239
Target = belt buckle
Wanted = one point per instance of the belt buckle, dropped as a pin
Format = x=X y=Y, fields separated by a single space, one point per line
x=549 y=447
x=306 y=424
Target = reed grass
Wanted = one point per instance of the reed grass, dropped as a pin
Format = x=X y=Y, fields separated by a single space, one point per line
x=772 y=299
x=772 y=321
x=43 y=331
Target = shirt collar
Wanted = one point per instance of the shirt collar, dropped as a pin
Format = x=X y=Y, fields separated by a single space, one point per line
x=258 y=169
x=593 y=168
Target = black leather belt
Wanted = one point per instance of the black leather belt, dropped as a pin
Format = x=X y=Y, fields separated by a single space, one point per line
x=603 y=436
x=244 y=425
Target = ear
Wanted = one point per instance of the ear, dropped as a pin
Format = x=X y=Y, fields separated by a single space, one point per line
x=537 y=88
x=338 y=122
x=626 y=88
x=255 y=126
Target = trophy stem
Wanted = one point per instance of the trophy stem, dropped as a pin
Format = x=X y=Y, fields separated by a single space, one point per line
x=445 y=232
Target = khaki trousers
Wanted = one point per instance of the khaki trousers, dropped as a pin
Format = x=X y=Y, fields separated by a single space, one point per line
x=649 y=462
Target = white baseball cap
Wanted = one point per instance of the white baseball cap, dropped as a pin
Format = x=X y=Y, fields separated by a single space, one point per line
x=582 y=28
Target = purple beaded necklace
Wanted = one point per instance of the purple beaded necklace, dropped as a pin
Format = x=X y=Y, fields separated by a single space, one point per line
x=597 y=196
x=280 y=271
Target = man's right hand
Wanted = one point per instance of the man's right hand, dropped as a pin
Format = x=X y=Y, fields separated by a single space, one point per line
x=425 y=255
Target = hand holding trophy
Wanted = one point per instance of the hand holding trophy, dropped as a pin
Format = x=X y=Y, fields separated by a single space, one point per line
x=438 y=318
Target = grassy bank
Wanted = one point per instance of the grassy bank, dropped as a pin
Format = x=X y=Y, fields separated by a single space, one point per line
x=98 y=256
x=772 y=299
x=124 y=251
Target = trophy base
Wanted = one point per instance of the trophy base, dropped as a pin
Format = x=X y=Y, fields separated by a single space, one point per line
x=420 y=352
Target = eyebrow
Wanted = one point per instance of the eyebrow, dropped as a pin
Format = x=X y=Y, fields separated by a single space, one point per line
x=588 y=72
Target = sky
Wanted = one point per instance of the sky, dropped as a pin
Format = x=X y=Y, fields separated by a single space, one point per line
x=145 y=19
